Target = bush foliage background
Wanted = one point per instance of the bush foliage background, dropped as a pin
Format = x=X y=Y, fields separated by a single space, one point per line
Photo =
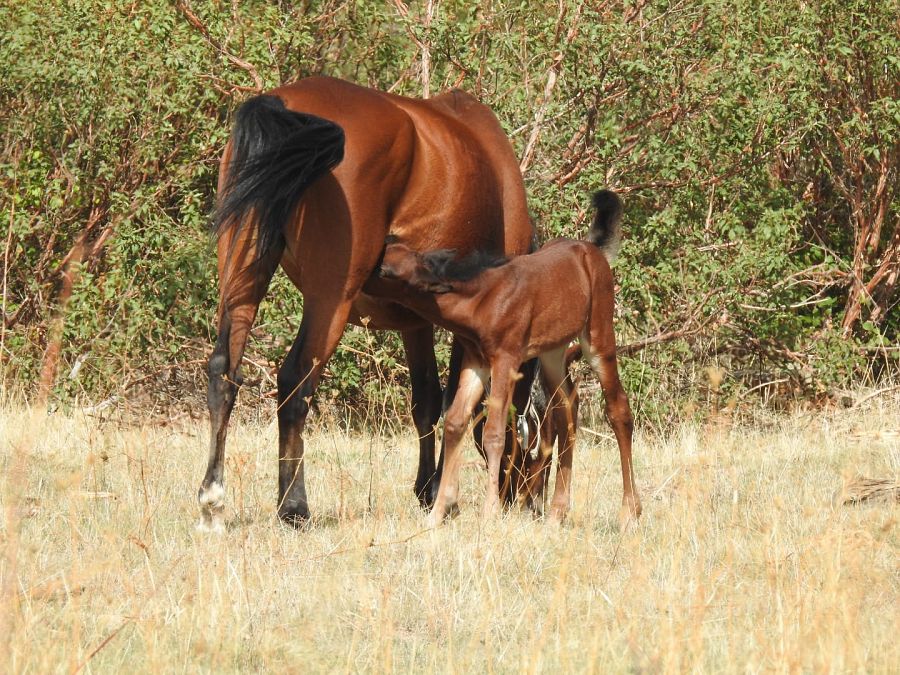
x=756 y=146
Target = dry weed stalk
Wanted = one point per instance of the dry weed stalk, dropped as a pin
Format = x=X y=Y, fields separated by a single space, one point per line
x=861 y=489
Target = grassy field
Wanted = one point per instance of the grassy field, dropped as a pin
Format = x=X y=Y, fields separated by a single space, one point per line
x=744 y=560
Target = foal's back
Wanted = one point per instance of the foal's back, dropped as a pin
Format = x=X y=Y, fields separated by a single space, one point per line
x=554 y=293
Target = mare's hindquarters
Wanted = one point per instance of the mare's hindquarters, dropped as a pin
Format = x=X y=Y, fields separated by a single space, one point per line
x=273 y=156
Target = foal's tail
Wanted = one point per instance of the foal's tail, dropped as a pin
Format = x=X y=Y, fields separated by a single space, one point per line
x=276 y=154
x=606 y=230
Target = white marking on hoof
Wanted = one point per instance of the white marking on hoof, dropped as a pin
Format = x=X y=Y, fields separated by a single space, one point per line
x=212 y=506
x=211 y=525
x=213 y=497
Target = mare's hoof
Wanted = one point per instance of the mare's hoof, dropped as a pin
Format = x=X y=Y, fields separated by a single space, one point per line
x=427 y=494
x=298 y=517
x=425 y=497
x=212 y=508
x=210 y=525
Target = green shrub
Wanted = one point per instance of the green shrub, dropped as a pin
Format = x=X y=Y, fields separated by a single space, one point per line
x=756 y=145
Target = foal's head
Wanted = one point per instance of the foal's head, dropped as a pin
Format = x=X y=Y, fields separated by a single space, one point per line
x=403 y=269
x=431 y=272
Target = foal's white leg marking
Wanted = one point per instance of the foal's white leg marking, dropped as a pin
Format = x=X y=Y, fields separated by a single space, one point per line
x=588 y=353
x=212 y=508
x=472 y=381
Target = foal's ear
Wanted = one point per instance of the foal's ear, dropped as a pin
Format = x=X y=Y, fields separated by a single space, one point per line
x=387 y=272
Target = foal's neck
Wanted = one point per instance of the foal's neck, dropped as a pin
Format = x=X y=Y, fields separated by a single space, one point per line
x=455 y=309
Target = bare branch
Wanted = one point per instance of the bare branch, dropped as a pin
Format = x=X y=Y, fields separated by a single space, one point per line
x=195 y=21
x=551 y=78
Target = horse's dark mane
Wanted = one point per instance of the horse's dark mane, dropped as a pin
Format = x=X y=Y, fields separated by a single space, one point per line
x=446 y=266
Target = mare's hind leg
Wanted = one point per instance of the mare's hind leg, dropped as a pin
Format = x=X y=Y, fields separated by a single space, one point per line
x=224 y=381
x=320 y=331
x=426 y=407
x=243 y=287
x=537 y=470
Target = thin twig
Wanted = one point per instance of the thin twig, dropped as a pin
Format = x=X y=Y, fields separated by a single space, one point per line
x=130 y=619
x=9 y=233
x=551 y=79
x=195 y=21
x=874 y=394
x=608 y=437
x=764 y=384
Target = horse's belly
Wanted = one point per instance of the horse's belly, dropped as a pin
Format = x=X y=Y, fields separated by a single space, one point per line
x=380 y=314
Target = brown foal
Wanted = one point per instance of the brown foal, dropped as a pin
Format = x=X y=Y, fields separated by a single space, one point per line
x=505 y=312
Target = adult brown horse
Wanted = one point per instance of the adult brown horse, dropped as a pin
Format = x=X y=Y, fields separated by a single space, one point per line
x=314 y=177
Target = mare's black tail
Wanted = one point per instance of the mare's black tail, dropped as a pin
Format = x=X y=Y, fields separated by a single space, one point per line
x=276 y=154
x=606 y=230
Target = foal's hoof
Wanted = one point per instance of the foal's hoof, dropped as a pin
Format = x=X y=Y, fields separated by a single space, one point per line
x=533 y=508
x=436 y=519
x=557 y=515
x=297 y=517
x=629 y=514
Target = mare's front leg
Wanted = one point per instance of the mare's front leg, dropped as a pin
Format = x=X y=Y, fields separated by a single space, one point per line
x=426 y=407
x=472 y=378
x=515 y=463
x=504 y=369
x=324 y=319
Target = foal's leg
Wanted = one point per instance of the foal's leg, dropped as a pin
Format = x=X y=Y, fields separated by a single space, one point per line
x=514 y=466
x=453 y=377
x=503 y=370
x=537 y=470
x=472 y=379
x=602 y=357
x=243 y=284
x=563 y=408
x=426 y=406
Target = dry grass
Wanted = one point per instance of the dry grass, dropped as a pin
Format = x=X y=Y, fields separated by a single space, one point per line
x=743 y=561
